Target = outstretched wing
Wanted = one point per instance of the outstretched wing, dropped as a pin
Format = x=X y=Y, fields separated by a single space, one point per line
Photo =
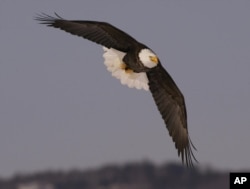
x=100 y=32
x=171 y=104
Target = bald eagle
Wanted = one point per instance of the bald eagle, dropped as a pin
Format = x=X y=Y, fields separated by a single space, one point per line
x=136 y=66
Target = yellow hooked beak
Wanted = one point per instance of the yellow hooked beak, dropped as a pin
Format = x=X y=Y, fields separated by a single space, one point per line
x=154 y=59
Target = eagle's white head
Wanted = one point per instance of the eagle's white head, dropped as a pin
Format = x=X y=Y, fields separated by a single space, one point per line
x=148 y=58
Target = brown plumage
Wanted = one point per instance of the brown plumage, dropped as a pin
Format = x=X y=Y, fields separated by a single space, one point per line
x=167 y=96
x=171 y=104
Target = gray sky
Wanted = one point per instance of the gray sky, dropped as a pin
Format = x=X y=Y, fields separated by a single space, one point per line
x=60 y=108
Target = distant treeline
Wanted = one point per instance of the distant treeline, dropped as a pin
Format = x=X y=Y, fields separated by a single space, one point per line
x=143 y=175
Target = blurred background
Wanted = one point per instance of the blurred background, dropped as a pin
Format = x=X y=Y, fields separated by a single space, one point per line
x=60 y=109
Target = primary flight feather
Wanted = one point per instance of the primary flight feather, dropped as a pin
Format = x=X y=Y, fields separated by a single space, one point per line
x=136 y=66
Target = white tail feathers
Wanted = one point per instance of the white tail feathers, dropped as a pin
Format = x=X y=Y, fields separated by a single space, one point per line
x=113 y=62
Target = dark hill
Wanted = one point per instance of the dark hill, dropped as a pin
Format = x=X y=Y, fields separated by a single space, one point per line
x=144 y=175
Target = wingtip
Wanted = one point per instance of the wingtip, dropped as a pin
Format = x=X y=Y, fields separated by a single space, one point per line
x=187 y=156
x=44 y=18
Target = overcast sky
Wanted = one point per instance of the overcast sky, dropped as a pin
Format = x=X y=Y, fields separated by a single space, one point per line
x=61 y=109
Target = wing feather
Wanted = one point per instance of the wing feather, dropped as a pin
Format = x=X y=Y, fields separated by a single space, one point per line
x=171 y=104
x=100 y=32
